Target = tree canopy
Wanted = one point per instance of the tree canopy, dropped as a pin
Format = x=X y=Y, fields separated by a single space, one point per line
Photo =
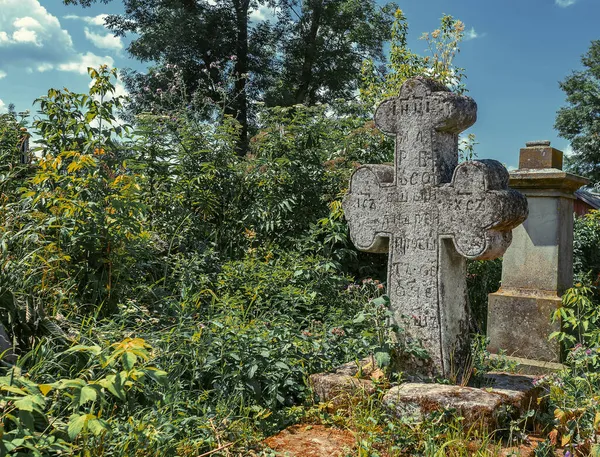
x=309 y=51
x=579 y=121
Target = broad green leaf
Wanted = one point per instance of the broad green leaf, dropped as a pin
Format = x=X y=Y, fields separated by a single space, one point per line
x=97 y=426
x=252 y=371
x=129 y=359
x=86 y=394
x=76 y=424
x=383 y=359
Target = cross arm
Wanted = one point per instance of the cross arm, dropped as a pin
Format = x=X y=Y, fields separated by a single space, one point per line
x=366 y=207
x=478 y=209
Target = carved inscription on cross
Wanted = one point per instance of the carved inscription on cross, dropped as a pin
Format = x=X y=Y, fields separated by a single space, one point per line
x=430 y=215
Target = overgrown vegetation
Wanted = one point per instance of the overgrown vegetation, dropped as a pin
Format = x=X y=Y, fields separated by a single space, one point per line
x=167 y=295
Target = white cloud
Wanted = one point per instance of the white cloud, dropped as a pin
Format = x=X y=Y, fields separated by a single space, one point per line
x=565 y=3
x=2 y=74
x=27 y=22
x=568 y=151
x=263 y=13
x=472 y=34
x=108 y=41
x=3 y=107
x=81 y=63
x=25 y=36
x=32 y=39
x=44 y=67
x=120 y=90
x=92 y=20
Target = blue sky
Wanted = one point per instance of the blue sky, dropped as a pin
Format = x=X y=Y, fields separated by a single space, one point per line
x=515 y=52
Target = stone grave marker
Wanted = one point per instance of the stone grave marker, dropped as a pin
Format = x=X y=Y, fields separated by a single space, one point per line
x=538 y=268
x=431 y=214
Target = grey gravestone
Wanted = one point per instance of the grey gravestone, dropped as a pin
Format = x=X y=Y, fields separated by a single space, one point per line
x=430 y=215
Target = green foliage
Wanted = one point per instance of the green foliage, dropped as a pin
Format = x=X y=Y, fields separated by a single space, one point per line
x=586 y=245
x=228 y=279
x=579 y=318
x=573 y=395
x=483 y=278
x=70 y=414
x=578 y=121
x=443 y=44
x=78 y=222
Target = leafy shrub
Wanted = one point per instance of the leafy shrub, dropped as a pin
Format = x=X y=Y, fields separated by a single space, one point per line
x=586 y=245
x=33 y=415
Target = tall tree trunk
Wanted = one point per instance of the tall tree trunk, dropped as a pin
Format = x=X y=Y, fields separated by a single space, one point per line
x=241 y=68
x=305 y=92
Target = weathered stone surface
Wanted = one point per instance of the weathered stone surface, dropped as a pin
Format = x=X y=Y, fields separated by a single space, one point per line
x=538 y=267
x=518 y=389
x=346 y=381
x=539 y=154
x=506 y=397
x=529 y=337
x=430 y=215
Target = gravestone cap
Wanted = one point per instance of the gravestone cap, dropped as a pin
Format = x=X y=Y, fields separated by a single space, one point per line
x=539 y=154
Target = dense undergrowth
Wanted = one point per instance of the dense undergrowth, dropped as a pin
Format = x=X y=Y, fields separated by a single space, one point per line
x=167 y=296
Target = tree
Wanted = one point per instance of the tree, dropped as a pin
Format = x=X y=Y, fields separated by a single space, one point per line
x=579 y=122
x=311 y=51
x=325 y=46
x=204 y=39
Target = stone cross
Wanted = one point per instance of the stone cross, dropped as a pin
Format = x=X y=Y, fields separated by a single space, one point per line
x=431 y=215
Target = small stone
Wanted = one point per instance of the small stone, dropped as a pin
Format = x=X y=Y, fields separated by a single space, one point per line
x=532 y=144
x=345 y=382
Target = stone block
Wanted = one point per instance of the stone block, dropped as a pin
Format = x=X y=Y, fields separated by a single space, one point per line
x=507 y=396
x=345 y=382
x=539 y=154
x=529 y=337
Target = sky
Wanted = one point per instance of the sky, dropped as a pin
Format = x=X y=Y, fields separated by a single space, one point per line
x=515 y=53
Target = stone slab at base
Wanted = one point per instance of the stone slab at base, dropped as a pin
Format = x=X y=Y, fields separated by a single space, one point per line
x=508 y=396
x=346 y=381
x=530 y=366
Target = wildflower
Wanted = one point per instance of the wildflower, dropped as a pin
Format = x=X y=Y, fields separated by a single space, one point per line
x=568 y=454
x=380 y=286
x=233 y=58
x=337 y=331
